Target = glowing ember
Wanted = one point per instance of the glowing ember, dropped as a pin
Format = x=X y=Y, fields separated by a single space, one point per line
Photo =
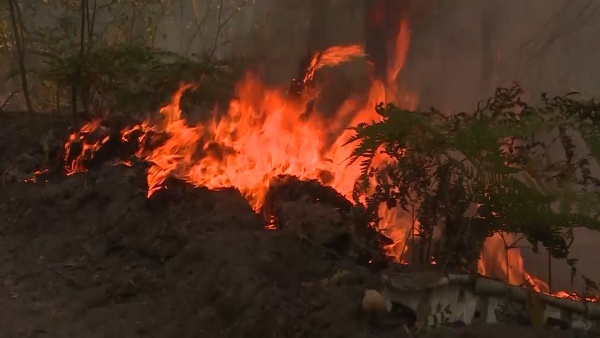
x=75 y=163
x=35 y=176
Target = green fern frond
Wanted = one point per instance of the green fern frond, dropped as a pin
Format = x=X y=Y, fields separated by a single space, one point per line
x=491 y=158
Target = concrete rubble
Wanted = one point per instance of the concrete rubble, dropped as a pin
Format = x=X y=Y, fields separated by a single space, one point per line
x=437 y=298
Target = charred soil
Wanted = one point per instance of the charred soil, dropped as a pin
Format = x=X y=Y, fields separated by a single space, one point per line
x=90 y=256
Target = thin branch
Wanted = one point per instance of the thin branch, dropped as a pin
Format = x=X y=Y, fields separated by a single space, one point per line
x=18 y=28
x=223 y=24
x=214 y=47
x=8 y=98
x=199 y=22
x=539 y=45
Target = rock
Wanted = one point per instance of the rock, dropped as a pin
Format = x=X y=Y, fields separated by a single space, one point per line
x=373 y=304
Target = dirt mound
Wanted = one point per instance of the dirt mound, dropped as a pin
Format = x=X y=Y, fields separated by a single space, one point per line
x=91 y=254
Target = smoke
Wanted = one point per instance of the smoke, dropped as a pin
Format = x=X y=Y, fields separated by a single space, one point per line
x=461 y=50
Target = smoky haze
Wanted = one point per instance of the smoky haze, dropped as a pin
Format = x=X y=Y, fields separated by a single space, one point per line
x=460 y=51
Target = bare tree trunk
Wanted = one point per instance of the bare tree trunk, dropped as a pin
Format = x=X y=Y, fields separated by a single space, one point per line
x=17 y=26
x=86 y=49
x=91 y=21
x=78 y=80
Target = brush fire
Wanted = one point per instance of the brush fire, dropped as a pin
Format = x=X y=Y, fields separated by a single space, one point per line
x=269 y=133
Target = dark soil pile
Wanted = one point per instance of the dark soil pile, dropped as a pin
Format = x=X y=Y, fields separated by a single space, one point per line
x=90 y=256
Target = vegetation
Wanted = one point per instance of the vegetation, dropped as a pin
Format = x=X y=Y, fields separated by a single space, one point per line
x=94 y=55
x=496 y=170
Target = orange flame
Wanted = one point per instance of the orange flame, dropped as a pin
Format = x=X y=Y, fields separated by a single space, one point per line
x=75 y=164
x=262 y=135
x=507 y=264
x=332 y=56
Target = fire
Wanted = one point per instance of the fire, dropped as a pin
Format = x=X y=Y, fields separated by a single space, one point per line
x=332 y=56
x=75 y=164
x=502 y=259
x=499 y=262
x=265 y=133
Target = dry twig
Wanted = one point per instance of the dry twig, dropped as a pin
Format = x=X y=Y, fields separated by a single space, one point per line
x=8 y=99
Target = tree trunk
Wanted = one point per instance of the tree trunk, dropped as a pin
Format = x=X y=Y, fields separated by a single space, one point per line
x=78 y=80
x=17 y=26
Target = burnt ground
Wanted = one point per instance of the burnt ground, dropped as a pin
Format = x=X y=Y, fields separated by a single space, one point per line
x=90 y=256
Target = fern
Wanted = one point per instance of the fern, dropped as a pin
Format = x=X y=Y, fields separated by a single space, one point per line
x=496 y=158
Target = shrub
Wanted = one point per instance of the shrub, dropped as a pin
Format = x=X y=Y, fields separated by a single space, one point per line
x=495 y=170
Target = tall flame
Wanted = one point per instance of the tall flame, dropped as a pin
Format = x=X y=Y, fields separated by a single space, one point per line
x=265 y=133
x=262 y=135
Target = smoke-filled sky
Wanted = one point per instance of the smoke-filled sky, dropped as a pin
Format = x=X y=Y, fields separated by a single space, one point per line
x=460 y=49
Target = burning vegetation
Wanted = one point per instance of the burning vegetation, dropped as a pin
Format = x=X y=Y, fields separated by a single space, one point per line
x=381 y=183
x=410 y=173
x=427 y=165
